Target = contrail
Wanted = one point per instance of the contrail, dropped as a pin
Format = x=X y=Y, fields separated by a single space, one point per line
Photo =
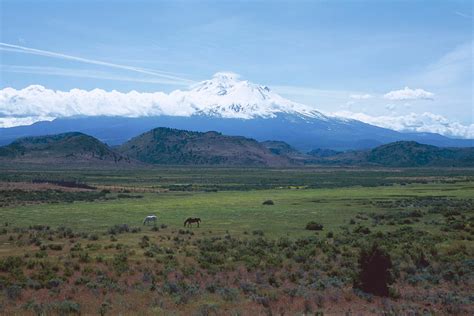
x=67 y=72
x=40 y=52
x=464 y=15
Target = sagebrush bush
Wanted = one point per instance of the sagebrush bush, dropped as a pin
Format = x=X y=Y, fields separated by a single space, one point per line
x=13 y=292
x=68 y=307
x=314 y=226
x=119 y=229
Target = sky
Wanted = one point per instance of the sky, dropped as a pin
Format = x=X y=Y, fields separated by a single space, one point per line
x=371 y=60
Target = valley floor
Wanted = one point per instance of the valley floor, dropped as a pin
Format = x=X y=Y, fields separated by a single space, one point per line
x=73 y=242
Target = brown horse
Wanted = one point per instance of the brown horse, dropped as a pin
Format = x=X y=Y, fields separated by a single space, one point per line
x=191 y=220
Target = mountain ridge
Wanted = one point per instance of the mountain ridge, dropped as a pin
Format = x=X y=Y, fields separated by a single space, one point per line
x=167 y=146
x=183 y=147
x=302 y=134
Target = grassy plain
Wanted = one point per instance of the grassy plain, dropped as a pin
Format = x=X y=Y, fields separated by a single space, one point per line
x=233 y=211
x=246 y=258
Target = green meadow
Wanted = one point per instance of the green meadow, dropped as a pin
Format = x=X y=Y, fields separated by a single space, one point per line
x=233 y=211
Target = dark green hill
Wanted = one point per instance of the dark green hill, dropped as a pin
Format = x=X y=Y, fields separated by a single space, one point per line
x=71 y=147
x=180 y=147
x=283 y=149
x=413 y=154
x=400 y=154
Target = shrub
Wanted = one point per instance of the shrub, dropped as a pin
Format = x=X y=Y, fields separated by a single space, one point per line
x=248 y=288
x=13 y=292
x=129 y=196
x=421 y=261
x=149 y=254
x=119 y=229
x=52 y=283
x=362 y=230
x=144 y=242
x=374 y=271
x=10 y=263
x=206 y=310
x=84 y=257
x=56 y=247
x=120 y=262
x=104 y=307
x=314 y=226
x=228 y=294
x=416 y=213
x=33 y=284
x=93 y=237
x=68 y=307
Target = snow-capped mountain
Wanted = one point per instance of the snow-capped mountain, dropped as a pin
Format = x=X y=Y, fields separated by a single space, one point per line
x=226 y=96
x=224 y=103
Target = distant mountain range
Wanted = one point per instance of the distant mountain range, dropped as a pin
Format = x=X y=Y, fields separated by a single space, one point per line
x=167 y=146
x=301 y=133
x=224 y=104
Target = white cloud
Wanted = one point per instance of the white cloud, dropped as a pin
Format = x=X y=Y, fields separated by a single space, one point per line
x=409 y=94
x=37 y=101
x=426 y=122
x=19 y=121
x=360 y=96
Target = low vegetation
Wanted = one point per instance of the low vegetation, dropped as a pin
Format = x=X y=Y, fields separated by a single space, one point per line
x=398 y=249
x=314 y=226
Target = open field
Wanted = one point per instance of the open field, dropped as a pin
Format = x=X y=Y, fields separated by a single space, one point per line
x=89 y=253
x=235 y=211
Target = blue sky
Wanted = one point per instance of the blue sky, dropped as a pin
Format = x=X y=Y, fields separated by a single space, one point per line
x=316 y=52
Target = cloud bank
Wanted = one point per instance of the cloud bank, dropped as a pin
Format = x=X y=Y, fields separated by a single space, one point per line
x=19 y=121
x=425 y=122
x=37 y=103
x=409 y=94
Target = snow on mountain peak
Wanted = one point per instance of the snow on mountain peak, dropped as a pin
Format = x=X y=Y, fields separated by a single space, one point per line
x=226 y=96
x=226 y=75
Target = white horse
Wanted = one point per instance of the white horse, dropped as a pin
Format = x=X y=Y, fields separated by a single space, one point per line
x=150 y=218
